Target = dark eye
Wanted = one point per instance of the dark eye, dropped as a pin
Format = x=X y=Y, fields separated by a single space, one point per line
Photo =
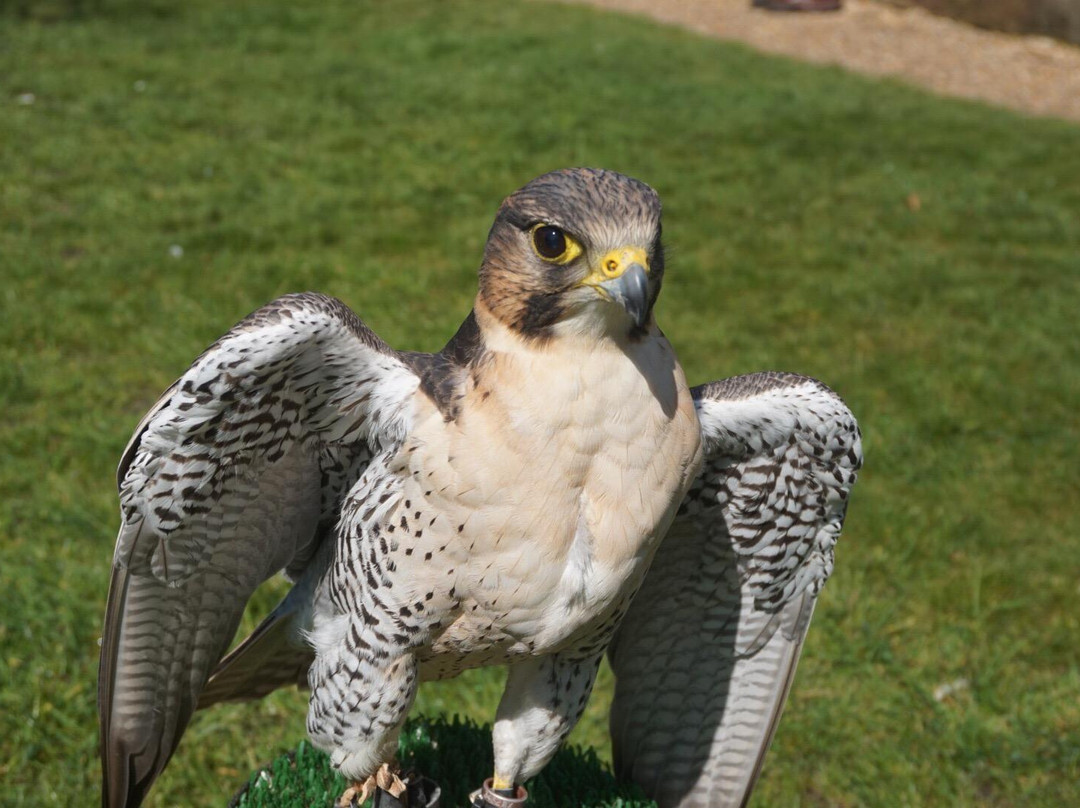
x=549 y=241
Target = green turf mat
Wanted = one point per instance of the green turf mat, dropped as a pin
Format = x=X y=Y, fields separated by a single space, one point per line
x=455 y=753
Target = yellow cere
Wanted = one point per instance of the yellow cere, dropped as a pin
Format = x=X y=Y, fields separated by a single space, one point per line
x=615 y=263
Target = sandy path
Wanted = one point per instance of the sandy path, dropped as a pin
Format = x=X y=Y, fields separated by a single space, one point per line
x=1028 y=73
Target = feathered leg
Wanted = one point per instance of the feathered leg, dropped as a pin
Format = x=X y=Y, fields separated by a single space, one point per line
x=361 y=693
x=543 y=700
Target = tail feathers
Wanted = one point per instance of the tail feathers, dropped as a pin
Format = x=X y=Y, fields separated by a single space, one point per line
x=274 y=655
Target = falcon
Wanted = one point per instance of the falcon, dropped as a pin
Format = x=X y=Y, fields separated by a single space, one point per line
x=500 y=502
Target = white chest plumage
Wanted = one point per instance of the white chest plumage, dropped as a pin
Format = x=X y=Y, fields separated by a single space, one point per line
x=549 y=486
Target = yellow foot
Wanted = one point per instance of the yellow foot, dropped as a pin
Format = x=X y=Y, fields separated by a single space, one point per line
x=356 y=794
x=359 y=793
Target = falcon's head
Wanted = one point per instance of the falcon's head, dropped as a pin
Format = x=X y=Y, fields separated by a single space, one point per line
x=576 y=250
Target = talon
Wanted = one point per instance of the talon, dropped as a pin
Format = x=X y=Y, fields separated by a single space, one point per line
x=388 y=781
x=359 y=793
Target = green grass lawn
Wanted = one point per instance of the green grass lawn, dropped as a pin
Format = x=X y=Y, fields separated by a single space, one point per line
x=182 y=163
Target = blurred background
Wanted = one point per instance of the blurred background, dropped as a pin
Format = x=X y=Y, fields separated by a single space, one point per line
x=166 y=167
x=1056 y=18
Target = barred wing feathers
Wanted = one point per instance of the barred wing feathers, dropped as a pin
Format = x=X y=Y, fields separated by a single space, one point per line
x=235 y=474
x=706 y=655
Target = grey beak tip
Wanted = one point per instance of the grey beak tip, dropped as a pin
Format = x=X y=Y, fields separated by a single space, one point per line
x=631 y=291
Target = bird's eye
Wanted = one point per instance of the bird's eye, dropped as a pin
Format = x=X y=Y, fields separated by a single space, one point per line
x=550 y=242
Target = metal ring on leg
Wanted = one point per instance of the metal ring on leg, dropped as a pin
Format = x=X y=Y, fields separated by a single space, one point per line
x=488 y=797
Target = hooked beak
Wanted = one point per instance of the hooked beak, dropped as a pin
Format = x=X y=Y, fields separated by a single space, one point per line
x=631 y=290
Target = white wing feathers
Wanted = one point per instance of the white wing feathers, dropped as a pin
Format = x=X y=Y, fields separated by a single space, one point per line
x=235 y=474
x=706 y=655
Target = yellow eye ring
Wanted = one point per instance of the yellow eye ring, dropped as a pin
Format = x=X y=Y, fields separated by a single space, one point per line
x=553 y=244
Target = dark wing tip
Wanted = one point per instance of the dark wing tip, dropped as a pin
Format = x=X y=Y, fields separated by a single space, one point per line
x=121 y=786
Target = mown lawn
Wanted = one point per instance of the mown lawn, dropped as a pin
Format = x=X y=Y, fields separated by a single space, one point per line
x=167 y=167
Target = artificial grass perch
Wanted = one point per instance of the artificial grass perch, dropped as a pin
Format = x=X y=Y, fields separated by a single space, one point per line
x=456 y=754
x=499 y=502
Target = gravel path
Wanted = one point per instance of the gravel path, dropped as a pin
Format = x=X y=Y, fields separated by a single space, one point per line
x=1028 y=73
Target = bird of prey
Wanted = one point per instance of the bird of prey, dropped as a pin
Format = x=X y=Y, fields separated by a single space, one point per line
x=501 y=501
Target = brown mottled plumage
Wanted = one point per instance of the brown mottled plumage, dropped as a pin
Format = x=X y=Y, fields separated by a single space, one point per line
x=499 y=502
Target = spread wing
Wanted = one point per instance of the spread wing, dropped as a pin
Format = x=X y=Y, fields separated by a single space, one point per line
x=235 y=474
x=706 y=655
